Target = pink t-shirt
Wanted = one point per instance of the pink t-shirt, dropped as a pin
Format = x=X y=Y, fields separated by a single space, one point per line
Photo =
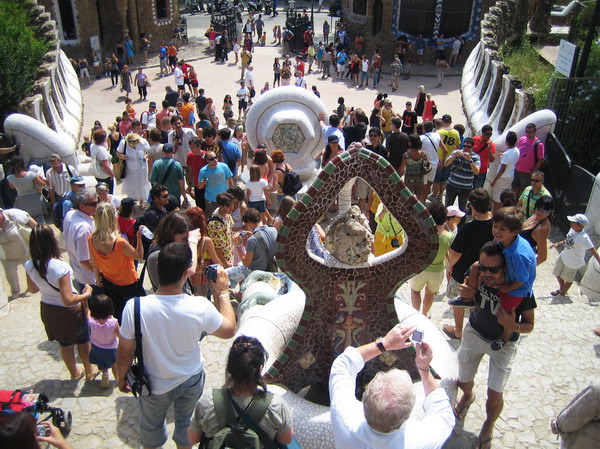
x=103 y=335
x=527 y=158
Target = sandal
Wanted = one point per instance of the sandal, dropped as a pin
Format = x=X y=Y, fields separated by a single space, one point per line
x=484 y=444
x=450 y=331
x=79 y=374
x=461 y=412
x=92 y=375
x=555 y=293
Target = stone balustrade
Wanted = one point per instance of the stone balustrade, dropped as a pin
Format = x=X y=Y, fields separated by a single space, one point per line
x=491 y=95
x=56 y=101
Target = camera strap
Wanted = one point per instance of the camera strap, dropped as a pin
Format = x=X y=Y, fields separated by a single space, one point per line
x=139 y=353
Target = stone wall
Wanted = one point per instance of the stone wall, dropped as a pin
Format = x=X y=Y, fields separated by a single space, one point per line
x=112 y=20
x=490 y=94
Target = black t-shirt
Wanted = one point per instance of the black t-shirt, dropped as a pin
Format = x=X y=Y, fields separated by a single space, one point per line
x=354 y=133
x=483 y=316
x=171 y=97
x=396 y=144
x=408 y=121
x=200 y=103
x=468 y=242
x=379 y=149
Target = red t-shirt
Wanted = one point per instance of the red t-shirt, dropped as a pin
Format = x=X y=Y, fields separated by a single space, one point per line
x=195 y=162
x=480 y=148
x=126 y=226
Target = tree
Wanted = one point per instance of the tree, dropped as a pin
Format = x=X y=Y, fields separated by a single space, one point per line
x=21 y=53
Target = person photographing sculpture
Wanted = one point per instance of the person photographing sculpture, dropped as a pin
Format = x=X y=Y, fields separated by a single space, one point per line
x=382 y=419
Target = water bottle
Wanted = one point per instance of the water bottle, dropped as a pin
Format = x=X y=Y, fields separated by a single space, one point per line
x=147 y=232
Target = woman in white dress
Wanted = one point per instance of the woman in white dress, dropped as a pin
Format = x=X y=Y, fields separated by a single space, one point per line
x=134 y=152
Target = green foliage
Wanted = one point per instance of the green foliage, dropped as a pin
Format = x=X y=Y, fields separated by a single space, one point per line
x=581 y=24
x=526 y=64
x=21 y=53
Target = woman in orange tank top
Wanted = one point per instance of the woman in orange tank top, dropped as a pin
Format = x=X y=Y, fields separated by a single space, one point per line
x=113 y=256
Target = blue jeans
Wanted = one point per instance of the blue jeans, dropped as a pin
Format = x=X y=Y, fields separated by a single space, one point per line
x=153 y=412
x=479 y=180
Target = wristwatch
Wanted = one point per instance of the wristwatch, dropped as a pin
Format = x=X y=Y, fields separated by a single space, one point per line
x=379 y=344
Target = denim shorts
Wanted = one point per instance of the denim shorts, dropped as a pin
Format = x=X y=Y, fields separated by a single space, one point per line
x=258 y=205
x=443 y=174
x=153 y=412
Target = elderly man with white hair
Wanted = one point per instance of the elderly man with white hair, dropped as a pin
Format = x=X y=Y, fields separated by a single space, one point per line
x=382 y=419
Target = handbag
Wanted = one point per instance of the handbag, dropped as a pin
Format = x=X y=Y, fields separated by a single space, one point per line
x=136 y=376
x=434 y=109
x=199 y=277
x=425 y=165
x=118 y=169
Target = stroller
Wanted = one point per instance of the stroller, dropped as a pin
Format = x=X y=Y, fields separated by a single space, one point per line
x=37 y=405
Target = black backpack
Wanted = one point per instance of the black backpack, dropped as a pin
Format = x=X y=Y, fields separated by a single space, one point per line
x=291 y=181
x=57 y=212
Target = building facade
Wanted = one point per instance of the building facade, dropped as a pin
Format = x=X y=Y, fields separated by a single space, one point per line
x=381 y=22
x=98 y=24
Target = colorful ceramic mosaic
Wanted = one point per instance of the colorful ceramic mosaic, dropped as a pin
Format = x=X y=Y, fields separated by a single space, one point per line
x=352 y=305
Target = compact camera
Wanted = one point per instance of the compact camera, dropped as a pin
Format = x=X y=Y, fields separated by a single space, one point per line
x=417 y=336
x=42 y=430
x=395 y=243
x=211 y=272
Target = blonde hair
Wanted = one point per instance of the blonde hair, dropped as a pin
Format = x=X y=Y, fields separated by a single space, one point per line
x=255 y=173
x=107 y=227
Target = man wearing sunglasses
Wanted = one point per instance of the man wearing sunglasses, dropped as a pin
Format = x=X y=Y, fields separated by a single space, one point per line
x=486 y=150
x=533 y=193
x=215 y=177
x=487 y=322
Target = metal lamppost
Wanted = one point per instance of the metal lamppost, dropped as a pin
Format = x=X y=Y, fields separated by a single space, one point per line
x=312 y=14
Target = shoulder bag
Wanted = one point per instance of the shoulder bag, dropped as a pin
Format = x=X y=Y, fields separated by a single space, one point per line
x=136 y=376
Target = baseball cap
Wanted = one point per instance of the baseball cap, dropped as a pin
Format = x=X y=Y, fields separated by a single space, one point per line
x=578 y=218
x=152 y=104
x=446 y=118
x=453 y=211
x=387 y=100
x=78 y=180
x=168 y=148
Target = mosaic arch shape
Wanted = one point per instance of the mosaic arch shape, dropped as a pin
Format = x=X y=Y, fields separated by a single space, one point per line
x=354 y=305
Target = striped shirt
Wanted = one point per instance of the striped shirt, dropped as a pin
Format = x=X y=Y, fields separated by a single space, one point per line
x=462 y=174
x=61 y=182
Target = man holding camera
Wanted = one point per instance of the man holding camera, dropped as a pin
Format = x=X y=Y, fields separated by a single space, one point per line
x=486 y=323
x=172 y=323
x=382 y=419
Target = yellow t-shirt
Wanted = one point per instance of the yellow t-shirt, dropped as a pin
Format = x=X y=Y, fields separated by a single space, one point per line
x=387 y=114
x=451 y=139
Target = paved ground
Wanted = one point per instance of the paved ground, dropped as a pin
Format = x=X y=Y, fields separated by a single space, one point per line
x=558 y=359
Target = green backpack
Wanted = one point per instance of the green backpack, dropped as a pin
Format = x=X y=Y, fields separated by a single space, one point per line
x=234 y=433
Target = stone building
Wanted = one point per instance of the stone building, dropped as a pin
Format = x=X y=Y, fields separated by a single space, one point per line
x=99 y=24
x=381 y=22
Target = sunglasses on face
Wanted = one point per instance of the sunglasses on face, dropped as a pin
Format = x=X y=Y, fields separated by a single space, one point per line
x=535 y=180
x=166 y=195
x=210 y=159
x=493 y=270
x=466 y=147
x=92 y=203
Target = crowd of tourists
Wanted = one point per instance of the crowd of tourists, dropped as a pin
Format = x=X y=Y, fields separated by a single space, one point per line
x=491 y=211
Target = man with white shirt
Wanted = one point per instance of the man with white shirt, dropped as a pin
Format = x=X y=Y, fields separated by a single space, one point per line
x=431 y=143
x=242 y=94
x=250 y=82
x=180 y=138
x=501 y=172
x=77 y=226
x=59 y=176
x=332 y=128
x=179 y=78
x=148 y=118
x=172 y=323
x=382 y=419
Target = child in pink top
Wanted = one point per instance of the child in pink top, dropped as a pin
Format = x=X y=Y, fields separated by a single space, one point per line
x=104 y=335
